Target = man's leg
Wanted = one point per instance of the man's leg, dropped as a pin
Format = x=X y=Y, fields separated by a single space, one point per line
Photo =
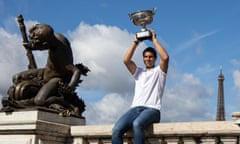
x=147 y=117
x=123 y=125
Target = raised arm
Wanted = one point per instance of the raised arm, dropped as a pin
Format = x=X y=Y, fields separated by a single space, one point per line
x=164 y=58
x=130 y=64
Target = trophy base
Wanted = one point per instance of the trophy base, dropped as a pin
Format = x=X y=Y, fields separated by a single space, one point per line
x=144 y=35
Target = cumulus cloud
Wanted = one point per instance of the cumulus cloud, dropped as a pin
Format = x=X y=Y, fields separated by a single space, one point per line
x=12 y=57
x=101 y=48
x=186 y=100
x=107 y=110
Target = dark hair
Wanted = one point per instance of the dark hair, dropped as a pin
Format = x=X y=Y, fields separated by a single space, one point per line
x=150 y=49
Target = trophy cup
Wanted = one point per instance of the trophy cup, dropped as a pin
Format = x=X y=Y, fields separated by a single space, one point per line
x=143 y=18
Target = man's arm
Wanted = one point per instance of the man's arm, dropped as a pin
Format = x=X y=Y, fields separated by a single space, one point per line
x=164 y=58
x=131 y=66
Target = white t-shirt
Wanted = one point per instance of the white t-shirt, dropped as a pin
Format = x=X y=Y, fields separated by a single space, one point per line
x=149 y=87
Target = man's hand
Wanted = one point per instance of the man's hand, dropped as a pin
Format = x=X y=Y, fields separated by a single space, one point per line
x=154 y=36
x=136 y=40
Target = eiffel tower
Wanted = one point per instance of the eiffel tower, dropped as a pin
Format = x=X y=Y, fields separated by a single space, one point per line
x=220 y=102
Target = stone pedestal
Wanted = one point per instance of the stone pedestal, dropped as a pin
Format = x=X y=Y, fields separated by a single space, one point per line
x=36 y=127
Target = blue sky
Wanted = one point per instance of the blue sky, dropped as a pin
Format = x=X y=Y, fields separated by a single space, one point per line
x=200 y=37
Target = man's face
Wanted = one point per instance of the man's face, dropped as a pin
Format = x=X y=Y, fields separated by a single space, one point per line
x=149 y=59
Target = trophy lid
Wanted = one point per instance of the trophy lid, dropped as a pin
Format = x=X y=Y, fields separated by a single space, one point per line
x=143 y=17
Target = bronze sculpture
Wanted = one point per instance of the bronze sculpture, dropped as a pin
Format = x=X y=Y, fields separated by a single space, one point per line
x=53 y=86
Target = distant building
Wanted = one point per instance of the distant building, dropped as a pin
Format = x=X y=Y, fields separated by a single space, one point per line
x=220 y=101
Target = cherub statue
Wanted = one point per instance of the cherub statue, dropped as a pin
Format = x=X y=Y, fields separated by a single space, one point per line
x=54 y=84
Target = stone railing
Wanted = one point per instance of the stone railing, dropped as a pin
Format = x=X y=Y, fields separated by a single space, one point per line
x=43 y=127
x=211 y=132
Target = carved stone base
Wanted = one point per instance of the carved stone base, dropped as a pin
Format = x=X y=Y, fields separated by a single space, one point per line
x=36 y=127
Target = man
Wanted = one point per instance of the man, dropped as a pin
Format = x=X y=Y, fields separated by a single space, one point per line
x=149 y=87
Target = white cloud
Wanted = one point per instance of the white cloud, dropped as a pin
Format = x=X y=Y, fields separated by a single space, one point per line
x=12 y=57
x=236 y=78
x=107 y=110
x=101 y=48
x=186 y=100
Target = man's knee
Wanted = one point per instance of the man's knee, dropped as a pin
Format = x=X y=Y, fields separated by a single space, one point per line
x=137 y=125
x=116 y=132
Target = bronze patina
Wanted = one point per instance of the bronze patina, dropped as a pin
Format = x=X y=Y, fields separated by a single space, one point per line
x=53 y=86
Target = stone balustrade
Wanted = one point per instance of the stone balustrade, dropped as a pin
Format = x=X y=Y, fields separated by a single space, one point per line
x=43 y=127
x=209 y=132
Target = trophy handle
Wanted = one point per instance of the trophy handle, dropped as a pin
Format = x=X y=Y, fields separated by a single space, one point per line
x=130 y=16
x=154 y=11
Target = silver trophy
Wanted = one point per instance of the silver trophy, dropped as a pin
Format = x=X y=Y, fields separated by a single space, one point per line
x=143 y=18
